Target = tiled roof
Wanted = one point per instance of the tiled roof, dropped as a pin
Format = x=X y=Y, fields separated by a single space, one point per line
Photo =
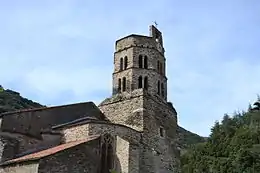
x=50 y=151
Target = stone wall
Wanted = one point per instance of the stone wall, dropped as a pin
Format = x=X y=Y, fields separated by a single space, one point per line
x=122 y=165
x=124 y=132
x=32 y=122
x=160 y=149
x=126 y=145
x=27 y=143
x=30 y=167
x=134 y=157
x=127 y=74
x=150 y=113
x=122 y=54
x=125 y=109
x=82 y=158
x=51 y=139
x=75 y=133
x=8 y=147
x=159 y=114
x=132 y=47
x=153 y=78
x=148 y=163
x=155 y=113
x=79 y=132
x=135 y=40
x=24 y=143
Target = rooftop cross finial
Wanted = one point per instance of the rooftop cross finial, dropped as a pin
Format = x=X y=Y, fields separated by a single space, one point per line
x=155 y=23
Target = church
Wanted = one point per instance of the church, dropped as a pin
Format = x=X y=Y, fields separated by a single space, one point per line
x=133 y=131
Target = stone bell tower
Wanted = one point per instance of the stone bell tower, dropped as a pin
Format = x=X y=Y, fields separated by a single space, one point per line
x=139 y=63
x=139 y=100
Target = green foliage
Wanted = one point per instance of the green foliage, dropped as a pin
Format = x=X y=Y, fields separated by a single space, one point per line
x=187 y=138
x=11 y=101
x=1 y=88
x=113 y=171
x=233 y=146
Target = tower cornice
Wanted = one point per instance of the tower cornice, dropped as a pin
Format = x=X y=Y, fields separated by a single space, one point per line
x=141 y=46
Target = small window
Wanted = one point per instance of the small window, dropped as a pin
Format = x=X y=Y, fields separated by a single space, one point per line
x=145 y=62
x=157 y=35
x=140 y=61
x=124 y=84
x=158 y=87
x=146 y=82
x=109 y=158
x=161 y=132
x=126 y=60
x=119 y=85
x=121 y=64
x=158 y=66
x=140 y=82
x=162 y=88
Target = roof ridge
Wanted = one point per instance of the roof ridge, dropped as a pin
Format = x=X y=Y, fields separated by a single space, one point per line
x=42 y=108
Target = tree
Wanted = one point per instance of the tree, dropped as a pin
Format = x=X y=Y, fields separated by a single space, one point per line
x=232 y=147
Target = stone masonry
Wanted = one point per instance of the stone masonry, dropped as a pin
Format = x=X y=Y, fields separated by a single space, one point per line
x=133 y=131
x=144 y=109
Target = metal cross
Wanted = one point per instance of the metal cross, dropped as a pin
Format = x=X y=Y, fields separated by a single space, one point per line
x=155 y=23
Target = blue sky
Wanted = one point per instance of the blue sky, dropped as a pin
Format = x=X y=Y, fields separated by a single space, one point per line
x=60 y=52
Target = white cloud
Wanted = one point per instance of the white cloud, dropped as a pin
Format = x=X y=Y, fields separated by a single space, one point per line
x=51 y=81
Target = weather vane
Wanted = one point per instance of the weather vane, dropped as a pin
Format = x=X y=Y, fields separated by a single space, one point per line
x=156 y=24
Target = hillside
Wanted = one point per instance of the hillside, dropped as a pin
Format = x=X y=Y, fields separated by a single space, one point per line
x=232 y=147
x=11 y=100
x=187 y=138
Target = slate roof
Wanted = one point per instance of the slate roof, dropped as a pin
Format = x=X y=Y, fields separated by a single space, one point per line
x=33 y=121
x=78 y=121
x=89 y=106
x=50 y=151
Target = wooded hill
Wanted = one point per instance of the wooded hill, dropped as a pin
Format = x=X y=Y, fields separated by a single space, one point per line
x=232 y=147
x=11 y=101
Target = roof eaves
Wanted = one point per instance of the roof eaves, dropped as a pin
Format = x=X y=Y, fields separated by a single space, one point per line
x=48 y=152
x=42 y=108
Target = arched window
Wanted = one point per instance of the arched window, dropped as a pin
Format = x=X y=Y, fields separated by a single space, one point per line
x=125 y=67
x=109 y=157
x=103 y=159
x=162 y=88
x=121 y=64
x=145 y=62
x=140 y=61
x=119 y=85
x=158 y=88
x=146 y=82
x=124 y=84
x=140 y=82
x=106 y=155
